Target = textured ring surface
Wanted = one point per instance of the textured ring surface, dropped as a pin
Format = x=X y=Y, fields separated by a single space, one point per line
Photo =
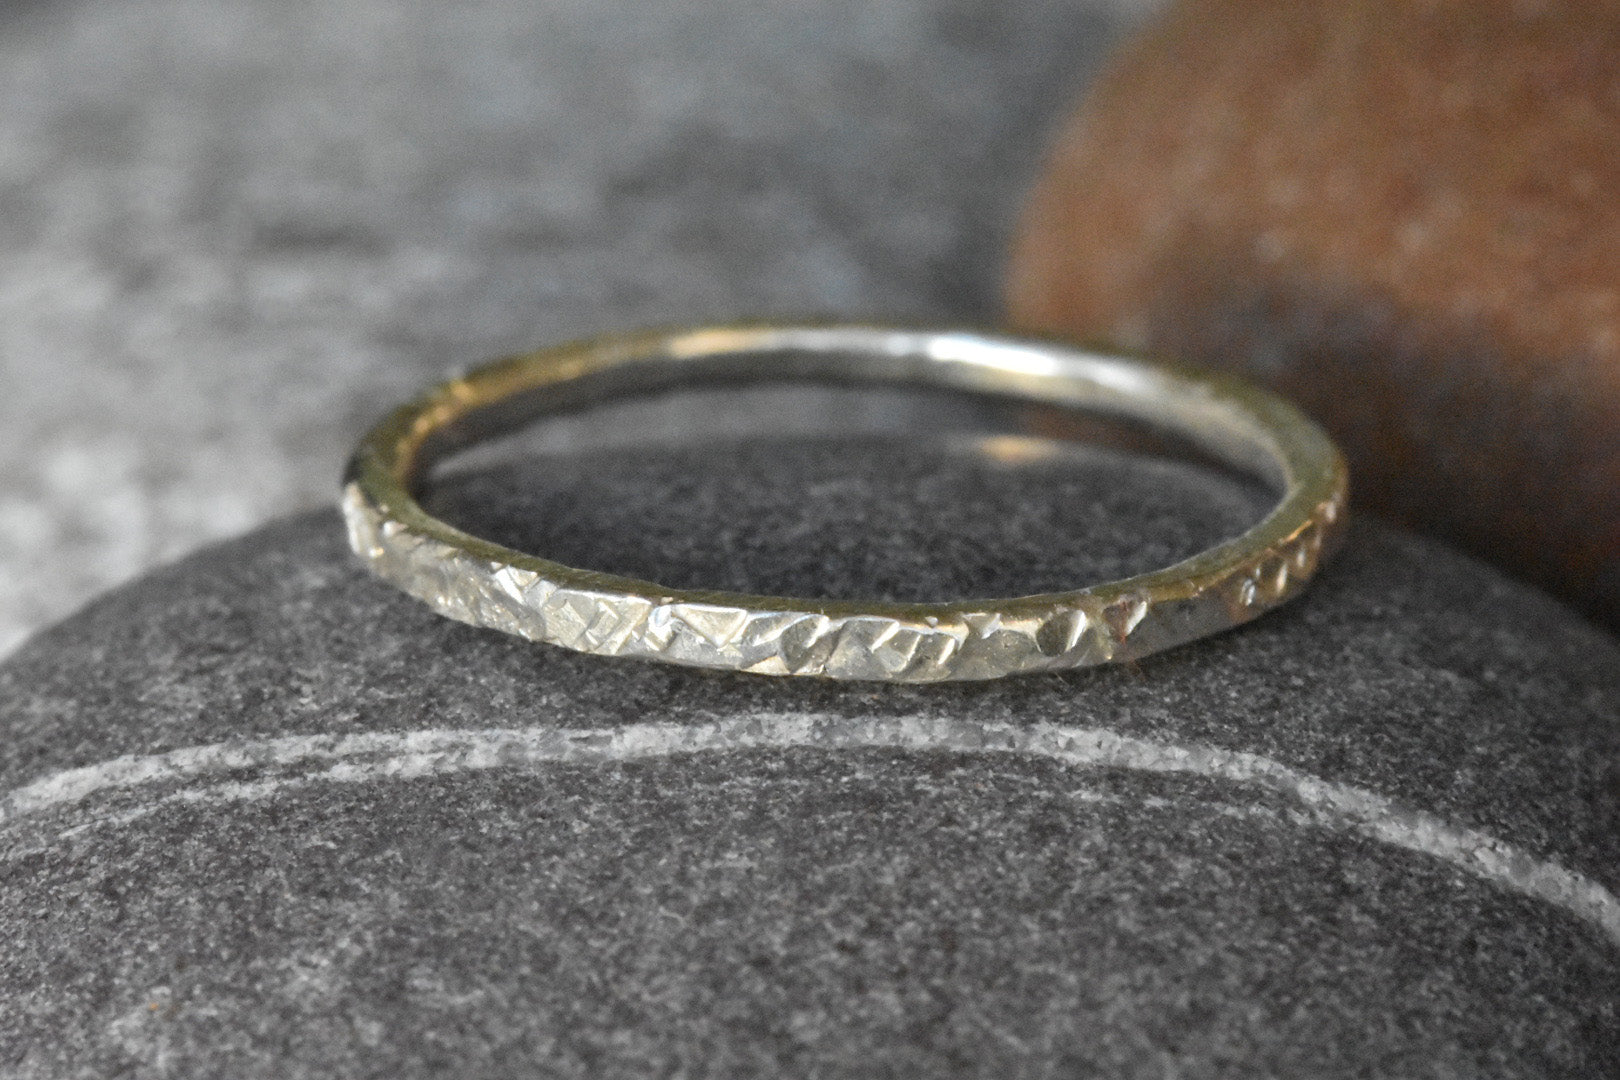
x=485 y=584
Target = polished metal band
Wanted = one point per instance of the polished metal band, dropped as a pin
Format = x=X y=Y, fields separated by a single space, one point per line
x=486 y=584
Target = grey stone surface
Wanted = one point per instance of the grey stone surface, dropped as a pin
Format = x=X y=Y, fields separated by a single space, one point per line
x=232 y=231
x=337 y=844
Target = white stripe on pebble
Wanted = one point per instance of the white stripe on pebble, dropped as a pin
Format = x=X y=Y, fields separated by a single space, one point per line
x=434 y=752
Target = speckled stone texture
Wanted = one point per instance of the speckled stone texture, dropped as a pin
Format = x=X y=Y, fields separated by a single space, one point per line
x=341 y=843
x=233 y=230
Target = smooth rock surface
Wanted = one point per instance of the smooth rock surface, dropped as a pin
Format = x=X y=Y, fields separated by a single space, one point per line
x=268 y=817
x=1398 y=215
x=233 y=232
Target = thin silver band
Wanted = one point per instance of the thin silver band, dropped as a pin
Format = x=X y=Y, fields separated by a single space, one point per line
x=486 y=584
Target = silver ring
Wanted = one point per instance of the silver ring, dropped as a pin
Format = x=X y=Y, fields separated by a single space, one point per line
x=485 y=584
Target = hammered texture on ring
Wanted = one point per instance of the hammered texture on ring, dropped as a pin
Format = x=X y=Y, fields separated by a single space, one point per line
x=488 y=585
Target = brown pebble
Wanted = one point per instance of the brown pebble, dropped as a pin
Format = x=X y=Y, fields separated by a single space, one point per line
x=1405 y=215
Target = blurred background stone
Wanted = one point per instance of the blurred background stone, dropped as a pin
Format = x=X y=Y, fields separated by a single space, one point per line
x=312 y=832
x=235 y=231
x=1398 y=213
